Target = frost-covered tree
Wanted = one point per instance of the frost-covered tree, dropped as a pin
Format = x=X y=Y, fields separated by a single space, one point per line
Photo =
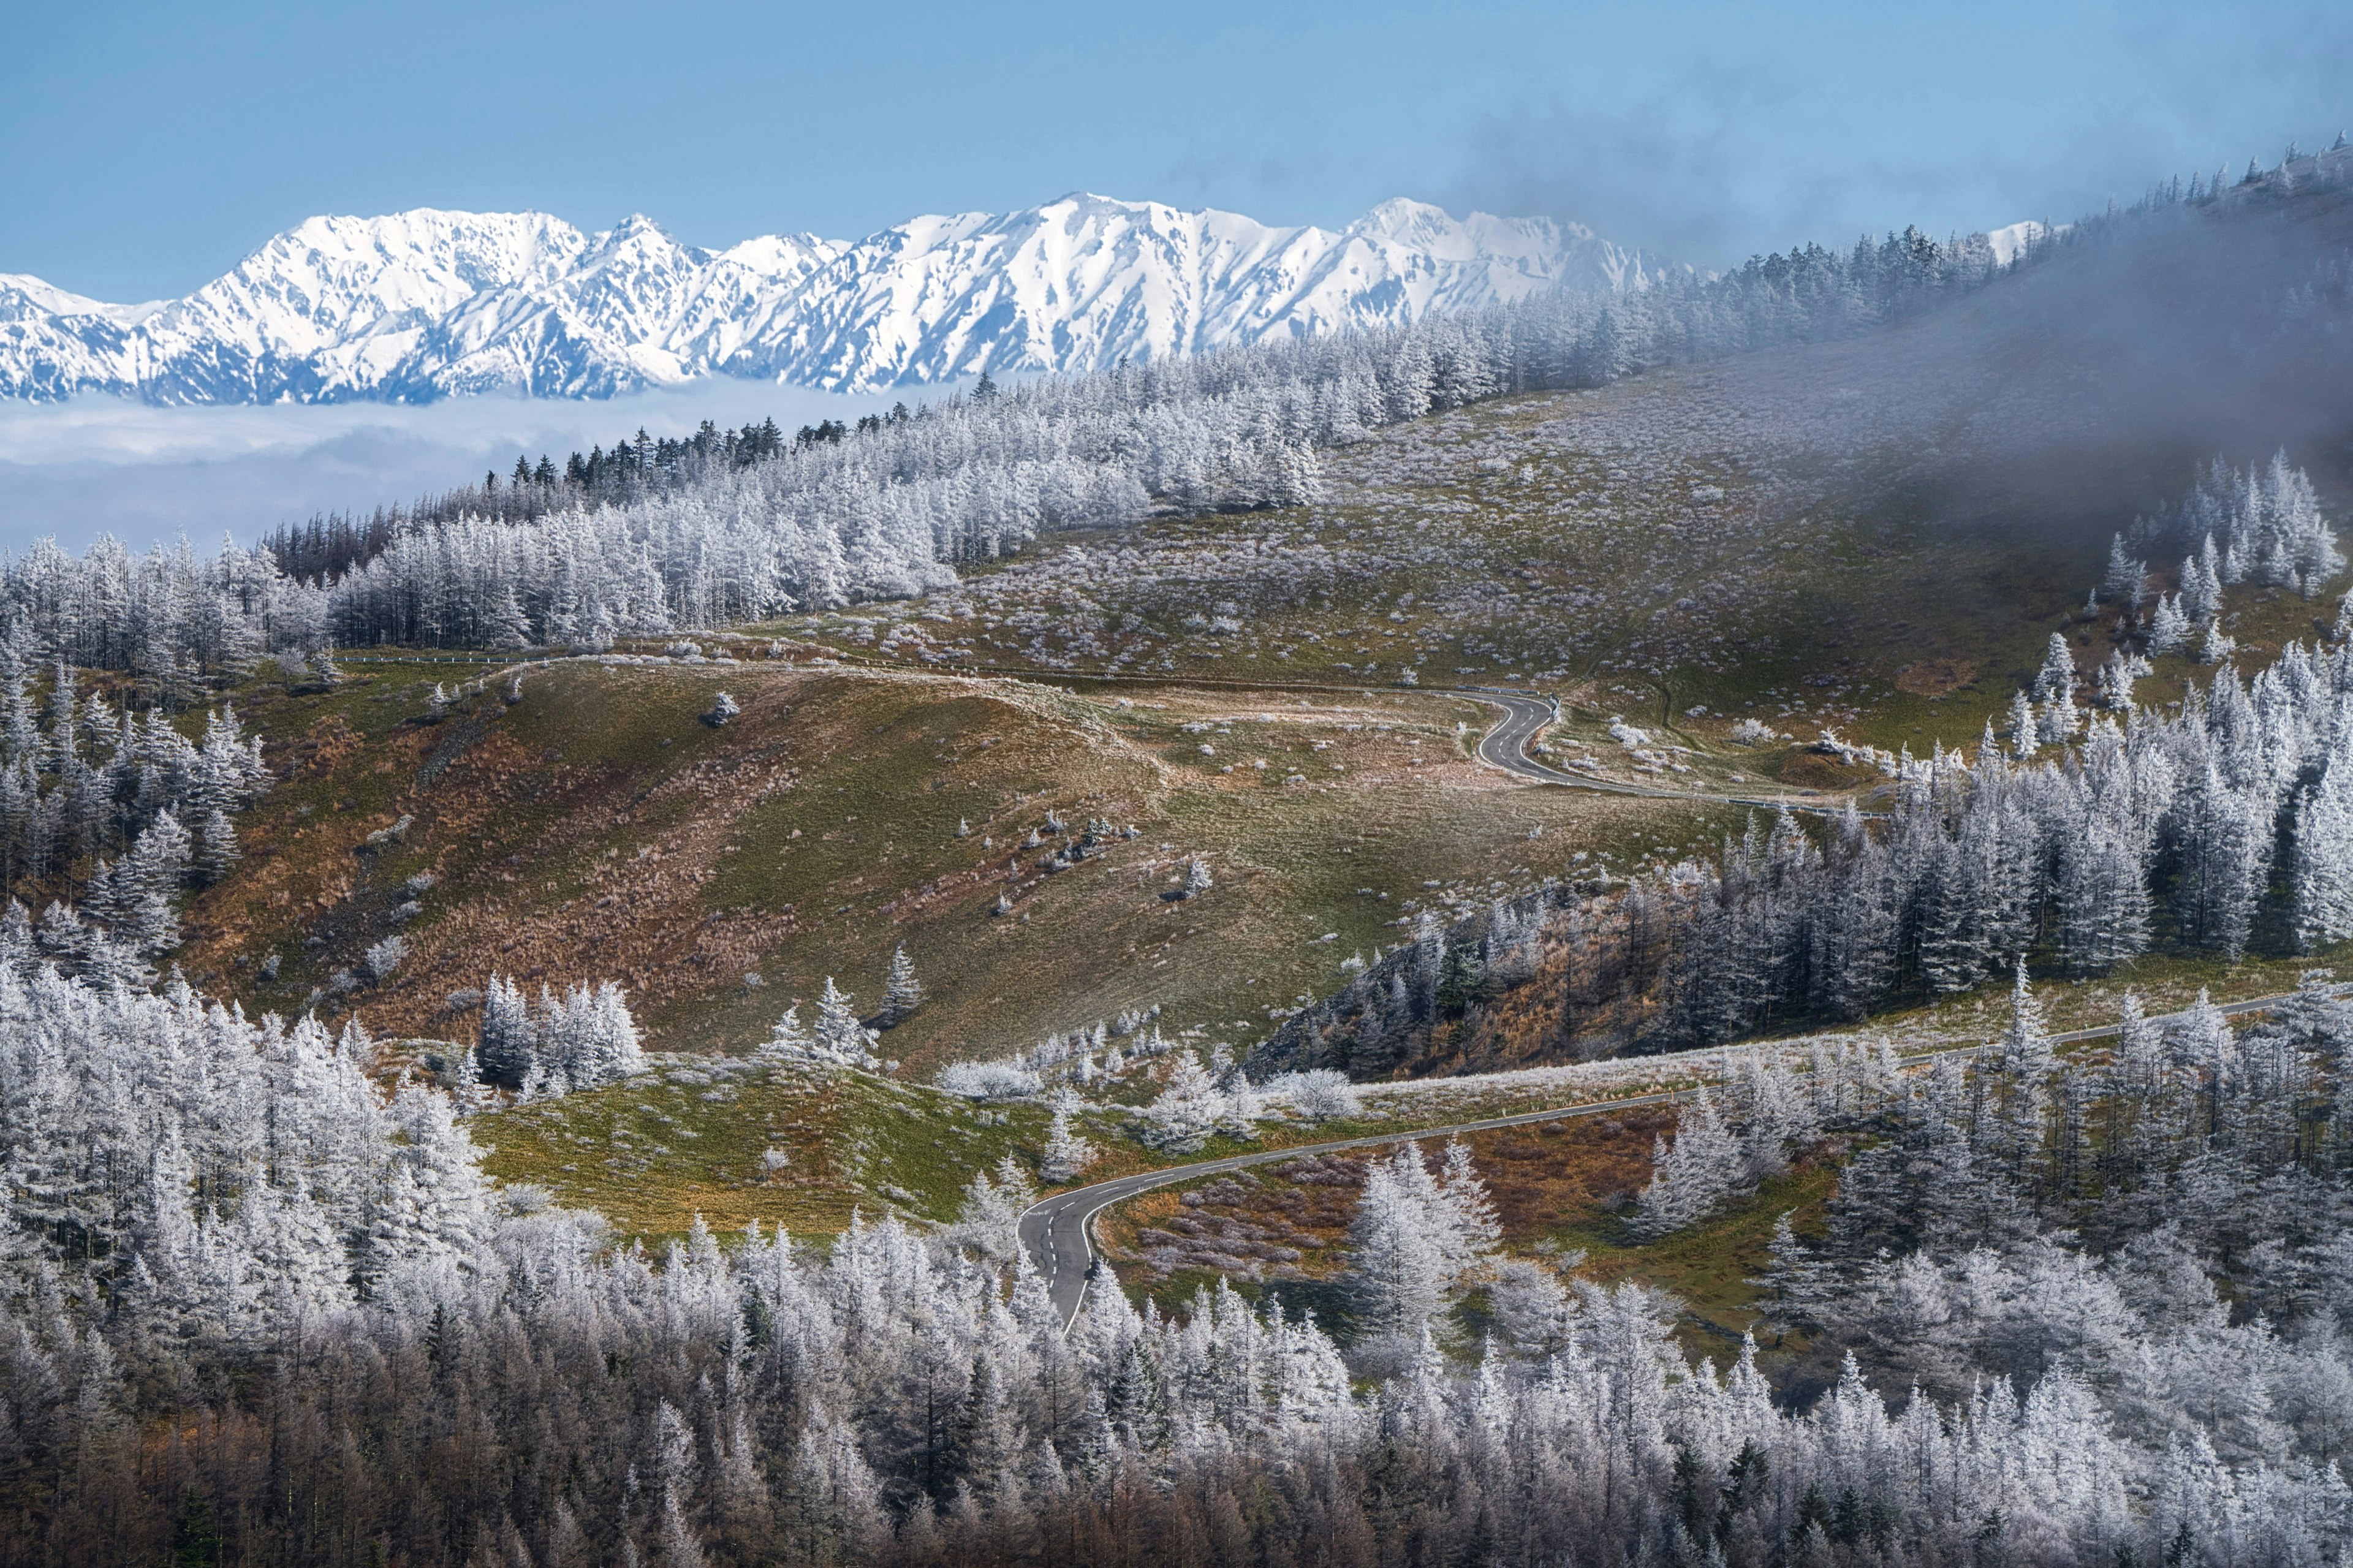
x=790 y=1038
x=2323 y=863
x=2224 y=833
x=902 y=991
x=1471 y=1228
x=1188 y=1109
x=384 y=959
x=1319 y=1094
x=509 y=1039
x=1066 y=1153
x=1690 y=1177
x=216 y=852
x=2126 y=573
x=1399 y=1267
x=988 y=1221
x=2024 y=1049
x=2025 y=728
x=2058 y=672
x=2201 y=585
x=1416 y=1240
x=839 y=1029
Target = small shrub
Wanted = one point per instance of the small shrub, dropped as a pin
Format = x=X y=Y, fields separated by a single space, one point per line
x=987 y=1080
x=1320 y=1094
x=383 y=961
x=392 y=835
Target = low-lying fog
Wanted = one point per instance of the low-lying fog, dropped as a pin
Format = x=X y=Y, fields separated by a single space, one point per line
x=104 y=465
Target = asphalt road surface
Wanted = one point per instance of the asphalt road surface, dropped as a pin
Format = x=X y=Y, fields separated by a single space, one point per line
x=1058 y=1232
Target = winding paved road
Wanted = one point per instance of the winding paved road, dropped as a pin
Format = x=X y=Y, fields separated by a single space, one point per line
x=1505 y=746
x=1058 y=1232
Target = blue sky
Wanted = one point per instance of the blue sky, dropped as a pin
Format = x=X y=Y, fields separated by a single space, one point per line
x=149 y=146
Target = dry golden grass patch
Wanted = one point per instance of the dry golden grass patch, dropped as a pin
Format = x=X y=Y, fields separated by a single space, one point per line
x=1936 y=677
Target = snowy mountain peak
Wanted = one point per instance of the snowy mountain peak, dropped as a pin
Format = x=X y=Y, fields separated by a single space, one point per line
x=424 y=304
x=1402 y=217
x=32 y=296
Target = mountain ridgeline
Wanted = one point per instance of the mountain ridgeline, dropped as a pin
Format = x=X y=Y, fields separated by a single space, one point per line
x=423 y=305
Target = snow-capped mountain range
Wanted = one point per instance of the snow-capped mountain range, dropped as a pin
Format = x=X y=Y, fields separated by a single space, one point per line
x=424 y=305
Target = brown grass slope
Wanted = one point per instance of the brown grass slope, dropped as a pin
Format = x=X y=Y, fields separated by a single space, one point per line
x=599 y=829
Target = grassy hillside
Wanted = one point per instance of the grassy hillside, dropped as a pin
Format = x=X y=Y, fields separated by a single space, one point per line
x=599 y=829
x=738 y=1141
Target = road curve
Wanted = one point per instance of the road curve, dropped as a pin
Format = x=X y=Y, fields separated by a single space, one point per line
x=1058 y=1232
x=1526 y=717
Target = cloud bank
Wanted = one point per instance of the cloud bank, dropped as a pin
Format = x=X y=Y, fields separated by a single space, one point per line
x=94 y=466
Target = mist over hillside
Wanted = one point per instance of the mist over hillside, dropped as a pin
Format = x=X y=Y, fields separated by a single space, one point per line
x=2217 y=314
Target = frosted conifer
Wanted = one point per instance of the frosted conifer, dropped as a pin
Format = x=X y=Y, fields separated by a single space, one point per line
x=1692 y=1175
x=790 y=1038
x=2323 y=863
x=216 y=850
x=2122 y=585
x=902 y=991
x=2025 y=729
x=2025 y=1048
x=1066 y=1153
x=2058 y=671
x=840 y=1037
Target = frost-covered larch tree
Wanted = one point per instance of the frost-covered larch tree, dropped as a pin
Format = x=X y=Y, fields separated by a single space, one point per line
x=1690 y=1177
x=902 y=991
x=2323 y=863
x=1066 y=1153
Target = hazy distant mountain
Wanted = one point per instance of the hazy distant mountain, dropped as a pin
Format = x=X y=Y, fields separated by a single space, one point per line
x=426 y=304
